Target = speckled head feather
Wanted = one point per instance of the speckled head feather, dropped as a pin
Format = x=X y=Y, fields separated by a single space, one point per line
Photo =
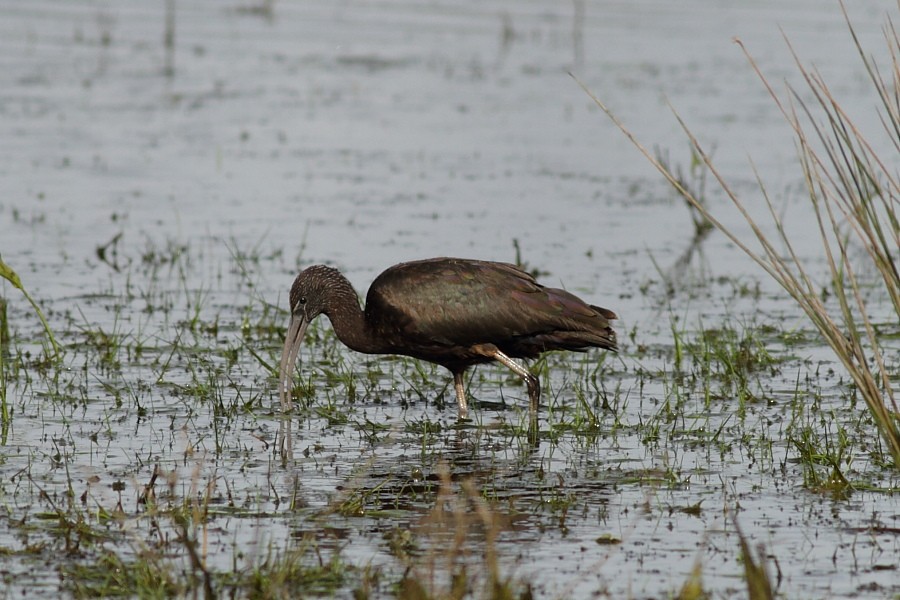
x=312 y=288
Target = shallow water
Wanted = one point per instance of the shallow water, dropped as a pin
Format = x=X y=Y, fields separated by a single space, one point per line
x=364 y=134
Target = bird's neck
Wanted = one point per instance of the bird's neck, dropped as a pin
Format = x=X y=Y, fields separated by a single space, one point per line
x=349 y=320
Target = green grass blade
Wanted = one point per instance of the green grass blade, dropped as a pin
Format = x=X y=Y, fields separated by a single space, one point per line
x=7 y=273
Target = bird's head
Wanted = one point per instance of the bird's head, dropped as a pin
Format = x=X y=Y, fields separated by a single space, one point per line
x=310 y=291
x=308 y=299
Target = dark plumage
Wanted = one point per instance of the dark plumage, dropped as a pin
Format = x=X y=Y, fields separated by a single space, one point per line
x=450 y=311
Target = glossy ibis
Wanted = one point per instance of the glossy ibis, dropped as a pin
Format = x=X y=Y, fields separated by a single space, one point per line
x=450 y=311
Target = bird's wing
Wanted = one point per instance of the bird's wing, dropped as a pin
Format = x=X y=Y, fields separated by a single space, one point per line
x=462 y=302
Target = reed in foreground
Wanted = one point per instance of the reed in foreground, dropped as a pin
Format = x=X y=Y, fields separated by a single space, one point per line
x=855 y=197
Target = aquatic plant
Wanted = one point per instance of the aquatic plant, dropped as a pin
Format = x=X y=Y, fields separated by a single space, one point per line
x=7 y=273
x=855 y=197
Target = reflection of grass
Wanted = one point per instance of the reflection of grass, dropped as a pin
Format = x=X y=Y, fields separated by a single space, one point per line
x=691 y=186
x=855 y=195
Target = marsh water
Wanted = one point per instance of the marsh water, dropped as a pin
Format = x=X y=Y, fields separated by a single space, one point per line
x=158 y=201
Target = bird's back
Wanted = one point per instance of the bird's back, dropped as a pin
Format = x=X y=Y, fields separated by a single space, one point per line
x=436 y=309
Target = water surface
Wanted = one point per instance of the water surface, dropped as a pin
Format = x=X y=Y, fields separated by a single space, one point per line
x=365 y=134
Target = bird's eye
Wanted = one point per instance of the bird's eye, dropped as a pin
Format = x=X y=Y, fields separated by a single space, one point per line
x=302 y=300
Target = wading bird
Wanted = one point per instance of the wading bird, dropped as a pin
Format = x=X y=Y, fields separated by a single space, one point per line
x=450 y=311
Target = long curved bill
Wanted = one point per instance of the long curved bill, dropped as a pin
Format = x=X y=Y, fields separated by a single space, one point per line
x=292 y=342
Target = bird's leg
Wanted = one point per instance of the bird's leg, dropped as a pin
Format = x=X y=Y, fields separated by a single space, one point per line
x=460 y=394
x=533 y=383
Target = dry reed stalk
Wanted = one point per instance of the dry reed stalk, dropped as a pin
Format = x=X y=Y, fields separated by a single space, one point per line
x=855 y=197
